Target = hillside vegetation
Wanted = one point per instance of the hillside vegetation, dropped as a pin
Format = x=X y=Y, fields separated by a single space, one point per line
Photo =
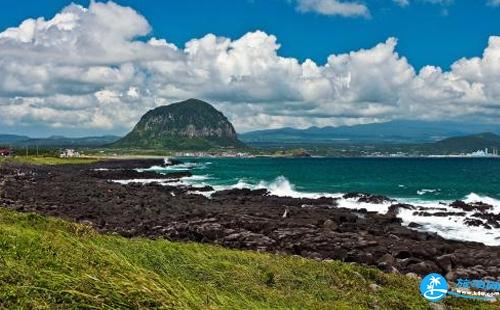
x=188 y=125
x=470 y=143
x=48 y=160
x=50 y=263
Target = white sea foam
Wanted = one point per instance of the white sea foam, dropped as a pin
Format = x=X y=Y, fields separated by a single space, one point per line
x=352 y=203
x=449 y=227
x=143 y=181
x=179 y=167
x=196 y=178
x=280 y=186
x=426 y=191
x=473 y=197
x=452 y=227
x=207 y=194
x=194 y=181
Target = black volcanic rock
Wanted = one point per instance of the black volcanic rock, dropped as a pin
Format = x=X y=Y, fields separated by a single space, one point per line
x=479 y=206
x=369 y=198
x=188 y=125
x=243 y=219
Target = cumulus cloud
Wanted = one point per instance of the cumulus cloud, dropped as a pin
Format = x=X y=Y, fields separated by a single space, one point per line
x=94 y=68
x=334 y=7
x=493 y=2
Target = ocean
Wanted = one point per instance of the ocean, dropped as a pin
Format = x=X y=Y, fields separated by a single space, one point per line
x=428 y=182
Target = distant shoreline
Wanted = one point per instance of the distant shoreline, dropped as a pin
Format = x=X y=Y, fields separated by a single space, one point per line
x=126 y=157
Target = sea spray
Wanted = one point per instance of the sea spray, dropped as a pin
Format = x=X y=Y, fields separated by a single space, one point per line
x=428 y=199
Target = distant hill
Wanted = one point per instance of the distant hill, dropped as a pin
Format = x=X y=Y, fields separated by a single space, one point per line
x=469 y=143
x=8 y=139
x=188 y=125
x=399 y=131
x=56 y=141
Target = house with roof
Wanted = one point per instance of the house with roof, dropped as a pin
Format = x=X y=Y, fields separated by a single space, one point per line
x=5 y=152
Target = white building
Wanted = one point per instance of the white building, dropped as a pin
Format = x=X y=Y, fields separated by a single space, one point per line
x=483 y=153
x=67 y=153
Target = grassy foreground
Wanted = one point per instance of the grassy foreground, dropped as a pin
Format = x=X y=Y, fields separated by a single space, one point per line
x=48 y=160
x=51 y=263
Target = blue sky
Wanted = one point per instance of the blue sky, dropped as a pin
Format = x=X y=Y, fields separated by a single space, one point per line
x=428 y=33
x=82 y=67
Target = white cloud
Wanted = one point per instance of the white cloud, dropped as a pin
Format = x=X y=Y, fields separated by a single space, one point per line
x=493 y=2
x=441 y=2
x=444 y=2
x=334 y=7
x=402 y=2
x=86 y=68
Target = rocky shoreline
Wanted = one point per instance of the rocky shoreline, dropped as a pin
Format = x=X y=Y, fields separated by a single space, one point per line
x=245 y=219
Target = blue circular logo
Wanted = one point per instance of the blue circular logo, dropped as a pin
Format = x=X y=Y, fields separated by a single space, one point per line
x=434 y=287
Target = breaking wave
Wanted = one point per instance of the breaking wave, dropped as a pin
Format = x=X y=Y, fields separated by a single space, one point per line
x=449 y=226
x=180 y=167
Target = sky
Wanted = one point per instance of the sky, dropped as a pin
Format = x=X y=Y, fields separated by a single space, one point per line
x=93 y=68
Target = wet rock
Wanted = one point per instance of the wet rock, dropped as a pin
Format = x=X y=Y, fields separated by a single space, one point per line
x=394 y=209
x=473 y=222
x=369 y=198
x=492 y=219
x=240 y=192
x=124 y=174
x=415 y=225
x=438 y=214
x=479 y=206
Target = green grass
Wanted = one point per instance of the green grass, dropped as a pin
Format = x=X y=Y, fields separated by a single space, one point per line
x=50 y=263
x=49 y=160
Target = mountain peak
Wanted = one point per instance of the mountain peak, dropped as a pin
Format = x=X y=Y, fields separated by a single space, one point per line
x=187 y=125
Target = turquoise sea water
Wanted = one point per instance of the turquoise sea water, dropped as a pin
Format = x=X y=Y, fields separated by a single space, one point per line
x=429 y=183
x=423 y=178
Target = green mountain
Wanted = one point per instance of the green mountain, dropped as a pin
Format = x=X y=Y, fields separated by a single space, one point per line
x=397 y=131
x=188 y=125
x=469 y=143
